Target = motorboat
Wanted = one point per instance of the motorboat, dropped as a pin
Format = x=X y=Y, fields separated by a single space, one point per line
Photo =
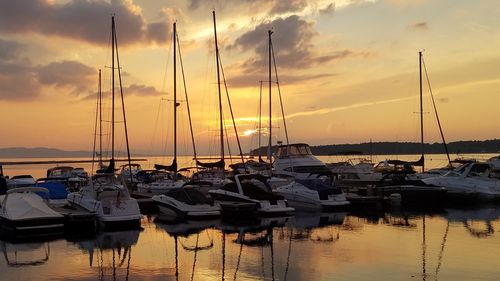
x=297 y=160
x=314 y=193
x=107 y=195
x=162 y=185
x=251 y=190
x=474 y=180
x=129 y=172
x=356 y=172
x=57 y=190
x=186 y=203
x=73 y=178
x=20 y=181
x=24 y=212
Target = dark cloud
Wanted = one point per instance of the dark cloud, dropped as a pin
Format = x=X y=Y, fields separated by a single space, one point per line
x=292 y=39
x=85 y=20
x=419 y=26
x=282 y=7
x=9 y=50
x=141 y=90
x=70 y=74
x=327 y=10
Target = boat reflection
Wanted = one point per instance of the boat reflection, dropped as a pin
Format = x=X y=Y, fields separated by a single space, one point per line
x=26 y=254
x=112 y=251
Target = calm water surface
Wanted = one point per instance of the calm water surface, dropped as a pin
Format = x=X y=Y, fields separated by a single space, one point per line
x=449 y=244
x=452 y=245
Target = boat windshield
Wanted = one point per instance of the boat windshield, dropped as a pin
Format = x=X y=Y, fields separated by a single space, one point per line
x=293 y=150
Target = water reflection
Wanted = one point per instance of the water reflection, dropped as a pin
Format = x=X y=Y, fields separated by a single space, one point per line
x=456 y=244
x=27 y=254
x=112 y=252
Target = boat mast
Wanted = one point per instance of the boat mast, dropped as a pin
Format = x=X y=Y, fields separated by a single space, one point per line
x=219 y=91
x=112 y=90
x=421 y=111
x=260 y=122
x=123 y=108
x=174 y=162
x=100 y=119
x=269 y=153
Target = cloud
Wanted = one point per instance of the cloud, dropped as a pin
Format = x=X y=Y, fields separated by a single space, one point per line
x=292 y=39
x=328 y=10
x=141 y=90
x=84 y=20
x=9 y=50
x=283 y=7
x=69 y=74
x=419 y=26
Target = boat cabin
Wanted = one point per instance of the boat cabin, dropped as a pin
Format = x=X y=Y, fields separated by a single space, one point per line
x=291 y=150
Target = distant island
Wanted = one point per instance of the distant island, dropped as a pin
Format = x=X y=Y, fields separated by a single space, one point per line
x=399 y=148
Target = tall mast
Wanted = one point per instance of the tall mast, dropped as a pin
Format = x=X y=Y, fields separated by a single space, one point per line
x=269 y=32
x=113 y=88
x=100 y=119
x=260 y=121
x=421 y=111
x=123 y=108
x=174 y=162
x=219 y=91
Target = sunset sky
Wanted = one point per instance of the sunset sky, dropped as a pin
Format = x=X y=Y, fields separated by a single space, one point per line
x=348 y=69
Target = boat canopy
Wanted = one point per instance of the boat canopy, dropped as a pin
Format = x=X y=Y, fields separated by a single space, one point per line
x=188 y=195
x=297 y=149
x=219 y=164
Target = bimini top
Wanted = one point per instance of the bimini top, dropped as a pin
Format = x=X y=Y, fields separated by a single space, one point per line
x=296 y=149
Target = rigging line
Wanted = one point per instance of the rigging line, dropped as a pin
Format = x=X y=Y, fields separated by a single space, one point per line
x=95 y=126
x=123 y=107
x=441 y=252
x=260 y=121
x=436 y=113
x=228 y=146
x=232 y=115
x=219 y=90
x=279 y=93
x=187 y=100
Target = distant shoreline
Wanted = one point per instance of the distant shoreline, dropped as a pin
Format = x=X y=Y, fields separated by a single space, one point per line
x=400 y=148
x=375 y=148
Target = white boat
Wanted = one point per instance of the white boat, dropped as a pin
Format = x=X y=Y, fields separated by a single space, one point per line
x=129 y=172
x=162 y=185
x=24 y=212
x=252 y=189
x=297 y=160
x=20 y=181
x=186 y=203
x=108 y=196
x=473 y=180
x=313 y=194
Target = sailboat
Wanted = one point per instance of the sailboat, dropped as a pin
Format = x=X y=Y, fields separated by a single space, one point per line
x=107 y=194
x=183 y=202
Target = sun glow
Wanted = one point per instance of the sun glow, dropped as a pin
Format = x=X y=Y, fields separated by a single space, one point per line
x=251 y=132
